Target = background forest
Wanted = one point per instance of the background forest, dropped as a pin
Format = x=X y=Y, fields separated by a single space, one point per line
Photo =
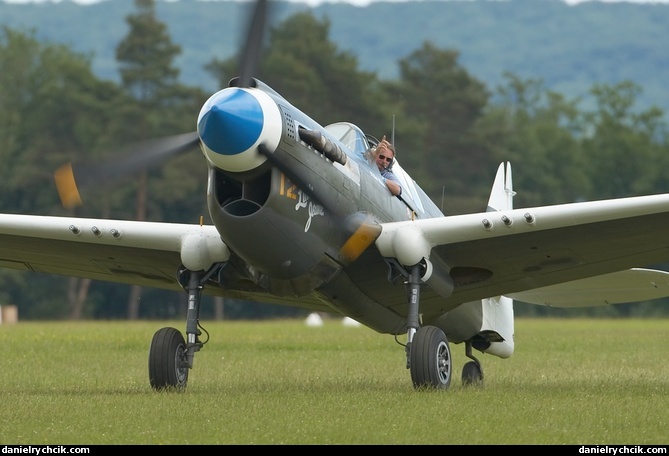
x=568 y=46
x=452 y=130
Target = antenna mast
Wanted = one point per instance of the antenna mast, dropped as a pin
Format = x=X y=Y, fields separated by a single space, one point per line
x=392 y=135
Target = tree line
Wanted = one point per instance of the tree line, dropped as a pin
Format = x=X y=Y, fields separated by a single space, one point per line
x=451 y=132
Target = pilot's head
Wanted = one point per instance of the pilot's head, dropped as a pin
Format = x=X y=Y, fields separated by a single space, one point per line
x=384 y=154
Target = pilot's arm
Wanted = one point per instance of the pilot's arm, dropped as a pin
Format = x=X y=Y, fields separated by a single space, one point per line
x=392 y=183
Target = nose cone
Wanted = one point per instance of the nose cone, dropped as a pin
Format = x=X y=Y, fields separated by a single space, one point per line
x=231 y=125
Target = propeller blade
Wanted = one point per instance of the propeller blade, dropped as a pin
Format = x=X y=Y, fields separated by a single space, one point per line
x=132 y=159
x=145 y=154
x=250 y=56
x=67 y=186
x=365 y=231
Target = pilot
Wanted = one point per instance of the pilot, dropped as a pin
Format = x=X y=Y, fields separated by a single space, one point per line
x=384 y=155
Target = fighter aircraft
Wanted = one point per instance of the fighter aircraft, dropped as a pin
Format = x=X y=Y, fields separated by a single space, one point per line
x=301 y=217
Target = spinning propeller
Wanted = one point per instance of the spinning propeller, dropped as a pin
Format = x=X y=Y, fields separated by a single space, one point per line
x=136 y=157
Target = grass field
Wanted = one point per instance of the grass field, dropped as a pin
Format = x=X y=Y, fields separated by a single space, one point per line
x=569 y=382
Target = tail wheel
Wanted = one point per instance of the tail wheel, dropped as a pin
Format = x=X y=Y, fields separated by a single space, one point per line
x=167 y=364
x=431 y=363
x=472 y=374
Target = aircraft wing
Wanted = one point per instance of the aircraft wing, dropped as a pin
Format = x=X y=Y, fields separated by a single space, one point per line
x=142 y=253
x=511 y=251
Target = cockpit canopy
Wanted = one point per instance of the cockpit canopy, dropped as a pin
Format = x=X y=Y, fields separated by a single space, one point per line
x=358 y=144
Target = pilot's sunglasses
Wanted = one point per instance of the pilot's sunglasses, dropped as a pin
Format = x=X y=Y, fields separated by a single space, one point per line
x=383 y=157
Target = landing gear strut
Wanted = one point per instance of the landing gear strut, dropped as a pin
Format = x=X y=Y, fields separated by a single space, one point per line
x=428 y=352
x=170 y=356
x=472 y=372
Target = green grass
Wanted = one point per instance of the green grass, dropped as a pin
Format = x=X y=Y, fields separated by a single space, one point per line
x=569 y=382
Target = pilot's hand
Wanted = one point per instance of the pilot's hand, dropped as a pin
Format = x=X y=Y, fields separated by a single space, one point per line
x=383 y=143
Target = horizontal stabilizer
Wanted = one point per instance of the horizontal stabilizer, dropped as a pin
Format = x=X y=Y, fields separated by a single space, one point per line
x=632 y=285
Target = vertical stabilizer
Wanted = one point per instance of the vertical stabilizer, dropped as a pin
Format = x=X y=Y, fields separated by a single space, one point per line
x=501 y=194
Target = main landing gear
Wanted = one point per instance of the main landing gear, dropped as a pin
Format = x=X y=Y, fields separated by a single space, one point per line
x=428 y=352
x=170 y=356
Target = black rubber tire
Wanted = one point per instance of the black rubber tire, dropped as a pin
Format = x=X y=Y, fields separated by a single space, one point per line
x=472 y=374
x=430 y=359
x=166 y=366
